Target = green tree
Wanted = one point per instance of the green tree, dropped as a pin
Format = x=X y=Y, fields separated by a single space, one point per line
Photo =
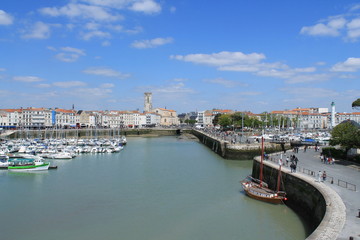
x=216 y=119
x=225 y=120
x=237 y=118
x=356 y=103
x=347 y=135
x=190 y=121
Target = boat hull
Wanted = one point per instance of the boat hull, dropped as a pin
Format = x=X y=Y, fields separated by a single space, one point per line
x=29 y=168
x=262 y=194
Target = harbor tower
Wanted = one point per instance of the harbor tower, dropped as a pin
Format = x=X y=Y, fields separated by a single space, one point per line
x=147 y=102
x=332 y=115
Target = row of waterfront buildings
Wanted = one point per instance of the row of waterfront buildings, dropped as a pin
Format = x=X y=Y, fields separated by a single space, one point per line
x=62 y=118
x=299 y=118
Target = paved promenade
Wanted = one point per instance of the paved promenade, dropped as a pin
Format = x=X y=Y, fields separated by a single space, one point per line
x=344 y=179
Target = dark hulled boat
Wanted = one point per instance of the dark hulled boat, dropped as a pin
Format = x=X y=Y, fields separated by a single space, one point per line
x=257 y=189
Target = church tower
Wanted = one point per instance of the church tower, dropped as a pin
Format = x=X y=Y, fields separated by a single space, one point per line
x=147 y=102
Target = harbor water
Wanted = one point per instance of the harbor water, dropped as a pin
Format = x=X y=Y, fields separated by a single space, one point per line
x=164 y=188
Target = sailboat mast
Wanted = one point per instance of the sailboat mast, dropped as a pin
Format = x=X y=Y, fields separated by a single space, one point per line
x=261 y=163
x=278 y=180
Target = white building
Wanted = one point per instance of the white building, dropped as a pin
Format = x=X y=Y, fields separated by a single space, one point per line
x=65 y=118
x=36 y=118
x=152 y=119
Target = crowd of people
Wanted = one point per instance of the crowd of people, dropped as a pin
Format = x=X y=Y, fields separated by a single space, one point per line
x=290 y=161
x=327 y=159
x=230 y=136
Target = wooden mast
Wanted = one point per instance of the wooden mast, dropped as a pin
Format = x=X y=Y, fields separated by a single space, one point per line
x=278 y=180
x=261 y=162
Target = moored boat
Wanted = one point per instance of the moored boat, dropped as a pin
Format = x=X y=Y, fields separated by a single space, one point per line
x=36 y=165
x=4 y=160
x=257 y=189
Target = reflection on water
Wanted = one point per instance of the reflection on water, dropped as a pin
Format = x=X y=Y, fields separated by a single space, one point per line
x=156 y=188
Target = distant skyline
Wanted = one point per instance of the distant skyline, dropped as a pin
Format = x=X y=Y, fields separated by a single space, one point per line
x=192 y=55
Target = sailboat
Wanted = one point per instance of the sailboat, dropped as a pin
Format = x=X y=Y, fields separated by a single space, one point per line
x=258 y=189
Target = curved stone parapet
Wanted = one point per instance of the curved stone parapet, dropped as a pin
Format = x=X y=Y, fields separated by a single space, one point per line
x=320 y=205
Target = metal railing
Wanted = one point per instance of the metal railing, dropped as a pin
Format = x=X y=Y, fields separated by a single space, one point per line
x=341 y=183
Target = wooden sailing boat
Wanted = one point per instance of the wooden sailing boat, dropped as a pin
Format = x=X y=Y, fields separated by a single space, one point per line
x=257 y=189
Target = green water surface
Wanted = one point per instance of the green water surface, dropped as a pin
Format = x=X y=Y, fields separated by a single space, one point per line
x=155 y=189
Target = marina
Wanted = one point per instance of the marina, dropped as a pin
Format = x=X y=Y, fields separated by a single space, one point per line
x=156 y=188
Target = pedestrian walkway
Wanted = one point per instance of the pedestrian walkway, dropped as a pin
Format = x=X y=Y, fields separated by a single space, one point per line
x=344 y=179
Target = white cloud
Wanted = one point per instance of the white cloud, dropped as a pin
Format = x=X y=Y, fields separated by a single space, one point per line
x=320 y=29
x=353 y=29
x=305 y=70
x=107 y=85
x=337 y=23
x=151 y=43
x=106 y=72
x=346 y=25
x=5 y=18
x=92 y=26
x=28 y=79
x=172 y=9
x=146 y=6
x=43 y=85
x=67 y=57
x=39 y=30
x=135 y=30
x=308 y=78
x=252 y=63
x=222 y=58
x=68 y=54
x=224 y=82
x=106 y=43
x=92 y=92
x=107 y=3
x=249 y=93
x=74 y=50
x=355 y=23
x=73 y=10
x=174 y=88
x=321 y=63
x=69 y=84
x=95 y=34
x=355 y=7
x=350 y=65
x=353 y=34
x=310 y=93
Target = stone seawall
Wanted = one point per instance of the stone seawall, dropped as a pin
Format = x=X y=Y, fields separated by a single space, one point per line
x=215 y=145
x=303 y=197
x=236 y=151
x=320 y=206
x=90 y=133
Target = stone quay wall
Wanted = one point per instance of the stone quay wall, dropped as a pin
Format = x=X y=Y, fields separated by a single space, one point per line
x=236 y=151
x=321 y=207
x=90 y=133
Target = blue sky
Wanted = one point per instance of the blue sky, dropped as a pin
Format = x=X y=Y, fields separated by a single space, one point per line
x=254 y=55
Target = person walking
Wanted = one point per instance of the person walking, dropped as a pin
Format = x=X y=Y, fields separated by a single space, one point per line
x=292 y=166
x=319 y=176
x=287 y=161
x=324 y=176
